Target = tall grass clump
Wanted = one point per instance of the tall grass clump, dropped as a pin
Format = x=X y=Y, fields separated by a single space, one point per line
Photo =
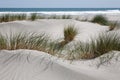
x=33 y=16
x=103 y=44
x=17 y=41
x=100 y=19
x=32 y=41
x=69 y=34
x=66 y=17
x=4 y=18
x=3 y=42
x=106 y=43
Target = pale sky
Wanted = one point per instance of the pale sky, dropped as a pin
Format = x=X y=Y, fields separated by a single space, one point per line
x=60 y=3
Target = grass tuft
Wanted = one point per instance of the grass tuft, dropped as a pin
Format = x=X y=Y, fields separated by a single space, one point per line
x=69 y=34
x=103 y=44
x=100 y=20
x=33 y=16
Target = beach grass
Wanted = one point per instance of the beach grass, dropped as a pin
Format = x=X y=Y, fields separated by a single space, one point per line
x=69 y=34
x=31 y=41
x=12 y=17
x=33 y=16
x=66 y=17
x=112 y=25
x=100 y=19
x=105 y=43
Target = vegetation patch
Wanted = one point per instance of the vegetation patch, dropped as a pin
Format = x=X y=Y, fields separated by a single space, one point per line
x=100 y=20
x=103 y=44
x=12 y=17
x=69 y=34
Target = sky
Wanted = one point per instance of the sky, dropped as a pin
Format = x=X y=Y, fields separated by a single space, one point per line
x=59 y=3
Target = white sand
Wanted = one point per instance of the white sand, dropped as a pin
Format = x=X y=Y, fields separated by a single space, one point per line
x=35 y=65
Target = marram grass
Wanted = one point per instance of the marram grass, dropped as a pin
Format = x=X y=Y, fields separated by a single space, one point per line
x=33 y=16
x=100 y=19
x=12 y=17
x=103 y=44
x=69 y=33
x=32 y=41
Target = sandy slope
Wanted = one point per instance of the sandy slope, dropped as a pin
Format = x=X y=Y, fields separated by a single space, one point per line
x=35 y=65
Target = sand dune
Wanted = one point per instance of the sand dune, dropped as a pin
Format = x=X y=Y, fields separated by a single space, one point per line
x=36 y=65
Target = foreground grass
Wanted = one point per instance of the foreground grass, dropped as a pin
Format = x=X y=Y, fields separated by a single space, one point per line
x=32 y=41
x=103 y=44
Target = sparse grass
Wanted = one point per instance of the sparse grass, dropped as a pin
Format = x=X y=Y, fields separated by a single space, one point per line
x=32 y=41
x=59 y=17
x=12 y=17
x=106 y=43
x=33 y=16
x=66 y=17
x=104 y=21
x=3 y=42
x=100 y=20
x=112 y=25
x=54 y=17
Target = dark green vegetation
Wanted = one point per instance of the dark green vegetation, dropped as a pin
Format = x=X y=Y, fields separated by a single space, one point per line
x=100 y=20
x=33 y=16
x=12 y=17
